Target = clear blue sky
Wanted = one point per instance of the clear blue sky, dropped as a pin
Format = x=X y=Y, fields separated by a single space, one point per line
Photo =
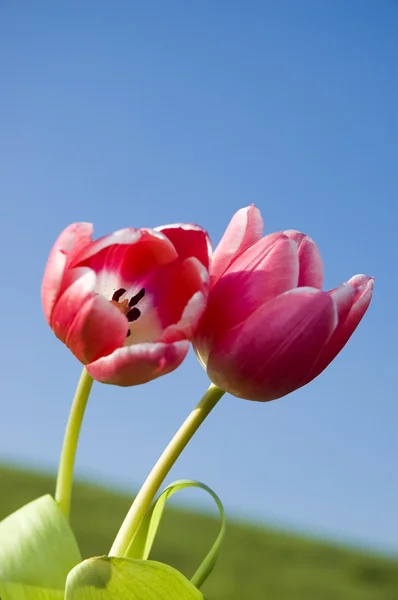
x=146 y=113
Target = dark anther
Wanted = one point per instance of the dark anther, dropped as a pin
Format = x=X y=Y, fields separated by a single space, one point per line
x=128 y=333
x=135 y=299
x=133 y=314
x=118 y=294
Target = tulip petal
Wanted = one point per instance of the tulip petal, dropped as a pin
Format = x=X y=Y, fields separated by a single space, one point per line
x=362 y=287
x=73 y=237
x=343 y=296
x=187 y=325
x=126 y=262
x=98 y=330
x=311 y=265
x=189 y=240
x=126 y=236
x=244 y=229
x=78 y=285
x=166 y=312
x=270 y=254
x=173 y=285
x=87 y=323
x=270 y=353
x=139 y=363
x=272 y=269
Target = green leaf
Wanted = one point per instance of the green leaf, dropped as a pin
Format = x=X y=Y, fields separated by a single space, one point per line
x=143 y=541
x=20 y=591
x=106 y=578
x=37 y=551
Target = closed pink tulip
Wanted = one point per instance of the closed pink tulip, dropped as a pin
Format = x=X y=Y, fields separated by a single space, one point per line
x=127 y=304
x=269 y=328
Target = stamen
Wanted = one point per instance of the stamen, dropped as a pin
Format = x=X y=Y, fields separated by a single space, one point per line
x=135 y=299
x=118 y=294
x=133 y=314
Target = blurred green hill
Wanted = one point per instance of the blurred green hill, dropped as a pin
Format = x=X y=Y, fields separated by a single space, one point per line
x=256 y=563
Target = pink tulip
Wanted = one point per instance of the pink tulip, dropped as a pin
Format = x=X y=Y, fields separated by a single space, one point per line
x=268 y=328
x=127 y=304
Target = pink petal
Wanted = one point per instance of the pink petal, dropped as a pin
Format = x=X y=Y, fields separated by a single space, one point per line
x=344 y=297
x=270 y=354
x=121 y=237
x=73 y=237
x=261 y=256
x=241 y=292
x=140 y=363
x=244 y=229
x=87 y=323
x=189 y=240
x=173 y=285
x=130 y=254
x=77 y=286
x=311 y=265
x=187 y=325
x=350 y=314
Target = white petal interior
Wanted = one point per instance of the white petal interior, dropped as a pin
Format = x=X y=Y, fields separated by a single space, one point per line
x=147 y=328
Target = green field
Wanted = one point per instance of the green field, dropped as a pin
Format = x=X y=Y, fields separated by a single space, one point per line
x=255 y=564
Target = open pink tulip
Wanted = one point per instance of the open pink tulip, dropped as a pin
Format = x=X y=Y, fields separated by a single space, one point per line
x=268 y=328
x=127 y=304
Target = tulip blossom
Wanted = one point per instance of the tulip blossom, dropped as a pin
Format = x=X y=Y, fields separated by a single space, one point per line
x=127 y=304
x=268 y=328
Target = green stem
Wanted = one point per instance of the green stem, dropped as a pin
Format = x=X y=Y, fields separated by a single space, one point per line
x=63 y=488
x=159 y=472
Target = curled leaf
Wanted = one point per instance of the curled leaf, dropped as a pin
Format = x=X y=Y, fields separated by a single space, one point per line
x=142 y=543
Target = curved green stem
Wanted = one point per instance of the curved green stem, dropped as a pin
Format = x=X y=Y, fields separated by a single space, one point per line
x=63 y=488
x=159 y=472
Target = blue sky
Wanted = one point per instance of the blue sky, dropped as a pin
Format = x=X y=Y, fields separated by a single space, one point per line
x=146 y=113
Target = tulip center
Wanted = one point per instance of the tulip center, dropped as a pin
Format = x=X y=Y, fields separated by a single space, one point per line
x=128 y=306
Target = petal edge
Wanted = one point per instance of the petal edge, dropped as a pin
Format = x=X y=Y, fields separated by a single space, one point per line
x=140 y=363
